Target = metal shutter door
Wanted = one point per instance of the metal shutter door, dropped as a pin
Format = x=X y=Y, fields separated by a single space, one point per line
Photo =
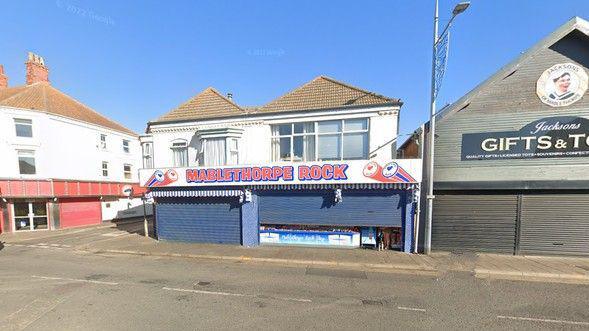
x=358 y=208
x=79 y=212
x=203 y=220
x=484 y=223
x=555 y=224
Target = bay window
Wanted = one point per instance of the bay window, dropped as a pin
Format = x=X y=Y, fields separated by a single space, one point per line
x=219 y=151
x=320 y=141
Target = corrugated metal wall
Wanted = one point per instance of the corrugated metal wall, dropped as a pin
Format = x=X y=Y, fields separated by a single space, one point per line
x=555 y=224
x=358 y=208
x=483 y=223
x=79 y=212
x=508 y=105
x=204 y=220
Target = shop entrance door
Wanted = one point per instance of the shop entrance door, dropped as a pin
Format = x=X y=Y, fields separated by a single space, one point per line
x=30 y=216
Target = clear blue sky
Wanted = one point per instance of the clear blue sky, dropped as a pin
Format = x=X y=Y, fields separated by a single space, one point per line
x=135 y=60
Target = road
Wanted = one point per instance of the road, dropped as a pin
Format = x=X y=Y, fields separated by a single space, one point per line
x=59 y=288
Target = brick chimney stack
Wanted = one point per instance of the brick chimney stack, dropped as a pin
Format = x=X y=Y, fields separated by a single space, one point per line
x=3 y=78
x=36 y=69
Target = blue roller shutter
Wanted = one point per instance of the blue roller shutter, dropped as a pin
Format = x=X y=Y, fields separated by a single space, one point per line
x=317 y=207
x=203 y=220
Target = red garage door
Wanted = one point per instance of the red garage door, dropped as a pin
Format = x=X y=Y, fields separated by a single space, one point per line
x=79 y=212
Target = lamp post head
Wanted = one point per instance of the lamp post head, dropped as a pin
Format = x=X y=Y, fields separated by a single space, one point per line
x=460 y=8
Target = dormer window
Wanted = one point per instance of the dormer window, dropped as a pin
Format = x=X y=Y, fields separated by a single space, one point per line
x=179 y=149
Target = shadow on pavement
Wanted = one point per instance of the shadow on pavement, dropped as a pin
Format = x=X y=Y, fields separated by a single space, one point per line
x=135 y=226
x=1 y=245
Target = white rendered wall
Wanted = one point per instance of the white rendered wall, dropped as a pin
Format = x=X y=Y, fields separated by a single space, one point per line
x=65 y=148
x=124 y=208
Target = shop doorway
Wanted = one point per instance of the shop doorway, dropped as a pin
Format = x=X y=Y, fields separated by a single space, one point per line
x=30 y=216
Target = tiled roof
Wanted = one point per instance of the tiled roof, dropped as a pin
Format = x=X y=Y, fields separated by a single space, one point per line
x=44 y=97
x=207 y=104
x=324 y=93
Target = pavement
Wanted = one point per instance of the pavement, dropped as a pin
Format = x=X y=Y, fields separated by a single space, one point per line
x=127 y=238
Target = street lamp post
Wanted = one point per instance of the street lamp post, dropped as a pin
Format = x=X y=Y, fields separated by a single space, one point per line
x=435 y=85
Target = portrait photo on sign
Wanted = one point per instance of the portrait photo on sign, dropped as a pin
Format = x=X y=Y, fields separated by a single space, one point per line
x=562 y=85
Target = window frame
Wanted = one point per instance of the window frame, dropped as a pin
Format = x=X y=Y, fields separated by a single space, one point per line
x=23 y=122
x=147 y=155
x=127 y=174
x=276 y=136
x=174 y=146
x=102 y=142
x=126 y=146
x=31 y=154
x=104 y=168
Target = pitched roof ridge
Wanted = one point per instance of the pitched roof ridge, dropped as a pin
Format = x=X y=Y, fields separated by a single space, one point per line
x=90 y=109
x=356 y=88
x=226 y=99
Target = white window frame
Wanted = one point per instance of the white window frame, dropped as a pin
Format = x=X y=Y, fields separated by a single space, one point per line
x=26 y=153
x=126 y=146
x=24 y=122
x=176 y=145
x=127 y=174
x=147 y=149
x=317 y=134
x=104 y=168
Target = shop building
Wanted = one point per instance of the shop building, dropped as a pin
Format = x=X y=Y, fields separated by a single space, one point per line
x=512 y=156
x=313 y=167
x=63 y=164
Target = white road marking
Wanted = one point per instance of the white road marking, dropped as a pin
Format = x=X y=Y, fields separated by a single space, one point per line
x=411 y=308
x=114 y=234
x=77 y=280
x=230 y=294
x=545 y=320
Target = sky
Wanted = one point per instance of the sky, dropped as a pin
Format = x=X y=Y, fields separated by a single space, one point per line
x=133 y=61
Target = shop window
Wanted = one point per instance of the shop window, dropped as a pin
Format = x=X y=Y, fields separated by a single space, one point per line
x=320 y=141
x=30 y=216
x=104 y=169
x=24 y=127
x=26 y=162
x=126 y=146
x=147 y=155
x=179 y=153
x=127 y=171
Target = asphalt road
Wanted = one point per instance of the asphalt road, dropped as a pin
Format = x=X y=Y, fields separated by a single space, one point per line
x=57 y=288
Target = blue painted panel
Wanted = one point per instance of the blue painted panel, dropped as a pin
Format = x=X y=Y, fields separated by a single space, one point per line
x=408 y=222
x=203 y=220
x=317 y=207
x=250 y=225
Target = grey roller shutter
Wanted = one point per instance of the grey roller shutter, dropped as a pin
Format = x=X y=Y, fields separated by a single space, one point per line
x=555 y=224
x=482 y=223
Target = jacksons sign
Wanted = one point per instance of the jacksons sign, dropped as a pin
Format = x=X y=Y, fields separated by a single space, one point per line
x=394 y=171
x=562 y=136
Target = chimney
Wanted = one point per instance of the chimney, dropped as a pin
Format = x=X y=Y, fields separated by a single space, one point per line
x=230 y=96
x=36 y=69
x=3 y=78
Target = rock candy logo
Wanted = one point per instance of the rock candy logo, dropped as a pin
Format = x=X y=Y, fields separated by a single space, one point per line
x=390 y=173
x=160 y=179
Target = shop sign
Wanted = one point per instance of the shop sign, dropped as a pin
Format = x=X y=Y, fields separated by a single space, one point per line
x=338 y=172
x=562 y=136
x=312 y=238
x=562 y=85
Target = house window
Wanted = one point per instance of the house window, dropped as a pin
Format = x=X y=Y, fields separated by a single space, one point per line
x=219 y=151
x=180 y=153
x=24 y=127
x=147 y=156
x=126 y=146
x=26 y=162
x=232 y=151
x=320 y=141
x=103 y=141
x=104 y=169
x=127 y=171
